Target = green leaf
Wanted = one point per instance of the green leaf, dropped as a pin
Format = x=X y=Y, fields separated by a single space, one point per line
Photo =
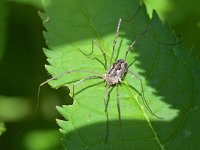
x=39 y=139
x=2 y=128
x=184 y=18
x=10 y=112
x=3 y=15
x=9 y=108
x=36 y=3
x=169 y=73
x=2 y=46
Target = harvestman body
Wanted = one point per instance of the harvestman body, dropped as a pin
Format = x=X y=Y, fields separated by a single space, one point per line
x=113 y=76
x=116 y=72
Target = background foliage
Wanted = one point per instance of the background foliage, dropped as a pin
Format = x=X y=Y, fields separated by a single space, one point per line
x=22 y=69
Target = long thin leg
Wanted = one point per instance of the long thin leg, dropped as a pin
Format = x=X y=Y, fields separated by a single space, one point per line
x=84 y=79
x=106 y=111
x=107 y=126
x=117 y=32
x=90 y=52
x=166 y=44
x=143 y=98
x=67 y=72
x=105 y=98
x=133 y=43
x=118 y=104
x=62 y=74
x=137 y=11
x=115 y=40
x=103 y=53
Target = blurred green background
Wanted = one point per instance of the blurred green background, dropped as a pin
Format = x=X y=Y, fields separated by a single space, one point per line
x=22 y=69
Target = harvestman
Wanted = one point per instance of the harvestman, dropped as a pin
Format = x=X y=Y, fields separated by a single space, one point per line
x=113 y=76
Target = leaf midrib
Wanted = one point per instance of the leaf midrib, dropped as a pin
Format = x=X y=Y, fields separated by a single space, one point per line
x=147 y=118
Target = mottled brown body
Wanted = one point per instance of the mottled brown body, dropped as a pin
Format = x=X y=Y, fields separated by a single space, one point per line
x=116 y=72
